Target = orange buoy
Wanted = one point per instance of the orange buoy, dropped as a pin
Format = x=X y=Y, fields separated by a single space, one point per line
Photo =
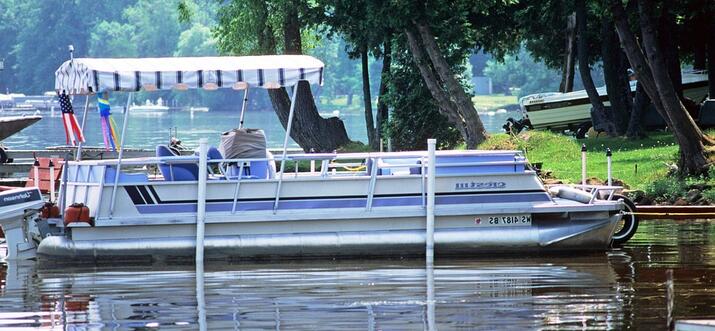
x=50 y=210
x=77 y=213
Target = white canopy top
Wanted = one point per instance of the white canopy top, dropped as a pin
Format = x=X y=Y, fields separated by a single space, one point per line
x=87 y=76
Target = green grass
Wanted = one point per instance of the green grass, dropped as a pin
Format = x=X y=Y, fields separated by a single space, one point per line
x=562 y=155
x=493 y=101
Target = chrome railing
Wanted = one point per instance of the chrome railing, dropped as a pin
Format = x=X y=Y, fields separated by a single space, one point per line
x=328 y=161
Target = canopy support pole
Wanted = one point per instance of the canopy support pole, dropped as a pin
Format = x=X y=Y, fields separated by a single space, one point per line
x=285 y=145
x=201 y=201
x=78 y=157
x=243 y=107
x=431 y=169
x=121 y=153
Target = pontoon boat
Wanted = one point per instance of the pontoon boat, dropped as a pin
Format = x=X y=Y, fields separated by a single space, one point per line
x=239 y=201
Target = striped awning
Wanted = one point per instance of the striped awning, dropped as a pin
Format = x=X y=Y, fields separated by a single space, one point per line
x=88 y=76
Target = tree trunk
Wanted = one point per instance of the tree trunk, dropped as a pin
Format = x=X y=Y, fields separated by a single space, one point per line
x=292 y=42
x=585 y=70
x=636 y=58
x=693 y=158
x=616 y=79
x=700 y=23
x=444 y=103
x=349 y=101
x=473 y=127
x=635 y=128
x=710 y=11
x=667 y=34
x=309 y=129
x=382 y=110
x=568 y=71
x=367 y=99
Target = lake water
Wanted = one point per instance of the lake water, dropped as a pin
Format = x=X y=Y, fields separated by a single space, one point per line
x=146 y=130
x=620 y=289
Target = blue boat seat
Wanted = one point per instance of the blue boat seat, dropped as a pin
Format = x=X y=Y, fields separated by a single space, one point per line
x=214 y=169
x=254 y=169
x=176 y=172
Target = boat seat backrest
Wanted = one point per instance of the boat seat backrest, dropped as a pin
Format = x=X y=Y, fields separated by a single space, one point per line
x=176 y=172
x=261 y=169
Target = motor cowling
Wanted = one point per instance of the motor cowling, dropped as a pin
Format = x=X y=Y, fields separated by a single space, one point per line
x=77 y=213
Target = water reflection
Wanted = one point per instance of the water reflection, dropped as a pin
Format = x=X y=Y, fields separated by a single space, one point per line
x=616 y=290
x=337 y=295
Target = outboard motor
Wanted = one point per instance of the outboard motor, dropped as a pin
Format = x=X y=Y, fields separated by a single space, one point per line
x=17 y=208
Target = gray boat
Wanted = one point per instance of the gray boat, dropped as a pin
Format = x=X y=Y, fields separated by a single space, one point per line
x=10 y=125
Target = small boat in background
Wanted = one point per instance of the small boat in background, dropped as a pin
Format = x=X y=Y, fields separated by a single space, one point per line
x=10 y=125
x=572 y=110
x=197 y=109
x=150 y=107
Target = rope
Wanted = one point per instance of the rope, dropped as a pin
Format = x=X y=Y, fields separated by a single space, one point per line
x=358 y=168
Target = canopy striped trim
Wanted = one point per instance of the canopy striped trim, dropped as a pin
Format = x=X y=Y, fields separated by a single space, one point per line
x=88 y=76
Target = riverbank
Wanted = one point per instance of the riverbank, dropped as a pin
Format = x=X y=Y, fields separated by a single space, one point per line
x=642 y=166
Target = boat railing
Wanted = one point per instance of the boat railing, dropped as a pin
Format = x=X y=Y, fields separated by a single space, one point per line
x=369 y=164
x=599 y=191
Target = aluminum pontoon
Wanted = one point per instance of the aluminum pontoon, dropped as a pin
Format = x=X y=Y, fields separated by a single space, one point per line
x=235 y=202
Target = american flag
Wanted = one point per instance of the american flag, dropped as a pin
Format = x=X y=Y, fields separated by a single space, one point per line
x=73 y=133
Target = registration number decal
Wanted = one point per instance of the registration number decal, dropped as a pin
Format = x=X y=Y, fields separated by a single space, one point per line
x=503 y=220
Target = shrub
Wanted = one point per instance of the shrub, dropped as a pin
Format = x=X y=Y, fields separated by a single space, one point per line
x=667 y=188
x=709 y=195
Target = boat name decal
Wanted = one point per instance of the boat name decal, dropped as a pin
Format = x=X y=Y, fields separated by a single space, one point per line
x=19 y=198
x=479 y=185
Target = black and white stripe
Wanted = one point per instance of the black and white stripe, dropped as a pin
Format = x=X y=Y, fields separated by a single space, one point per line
x=84 y=76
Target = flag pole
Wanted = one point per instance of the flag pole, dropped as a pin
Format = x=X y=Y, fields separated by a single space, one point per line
x=78 y=157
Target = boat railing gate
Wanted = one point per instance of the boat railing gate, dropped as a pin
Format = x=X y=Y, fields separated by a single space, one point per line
x=598 y=191
x=87 y=174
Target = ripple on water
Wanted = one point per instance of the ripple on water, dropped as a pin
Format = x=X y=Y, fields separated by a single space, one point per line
x=615 y=290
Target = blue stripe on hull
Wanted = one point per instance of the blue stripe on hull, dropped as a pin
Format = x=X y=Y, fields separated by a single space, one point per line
x=342 y=203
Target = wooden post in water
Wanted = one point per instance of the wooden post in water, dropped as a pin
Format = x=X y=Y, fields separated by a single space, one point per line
x=431 y=160
x=201 y=202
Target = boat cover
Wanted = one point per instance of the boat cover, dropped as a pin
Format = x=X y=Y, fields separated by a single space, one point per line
x=89 y=75
x=243 y=144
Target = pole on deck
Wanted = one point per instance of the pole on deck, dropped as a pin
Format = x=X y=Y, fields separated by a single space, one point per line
x=201 y=202
x=243 y=108
x=52 y=181
x=583 y=164
x=431 y=159
x=608 y=160
x=78 y=157
x=121 y=153
x=36 y=172
x=285 y=145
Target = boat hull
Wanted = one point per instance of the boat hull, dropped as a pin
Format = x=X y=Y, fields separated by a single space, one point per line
x=454 y=235
x=14 y=124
